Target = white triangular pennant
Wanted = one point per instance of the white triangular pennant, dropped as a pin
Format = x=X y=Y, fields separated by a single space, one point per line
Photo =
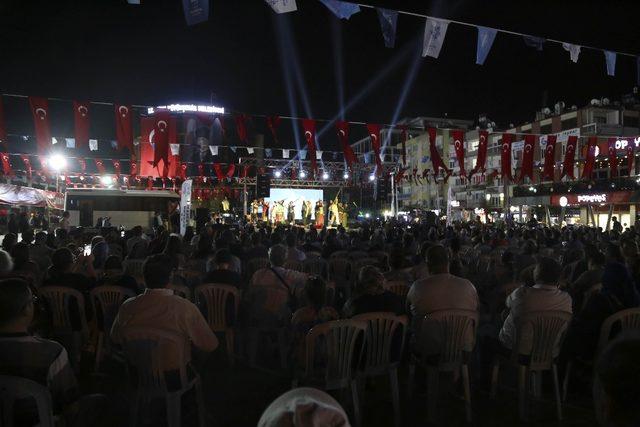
x=71 y=142
x=282 y=6
x=434 y=32
x=214 y=150
x=93 y=144
x=319 y=155
x=250 y=150
x=54 y=140
x=285 y=154
x=175 y=149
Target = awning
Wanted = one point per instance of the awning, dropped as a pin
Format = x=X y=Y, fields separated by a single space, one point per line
x=27 y=196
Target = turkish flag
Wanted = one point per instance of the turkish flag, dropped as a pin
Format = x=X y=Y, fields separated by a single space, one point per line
x=549 y=158
x=436 y=160
x=458 y=144
x=27 y=165
x=149 y=147
x=613 y=158
x=231 y=170
x=40 y=111
x=133 y=168
x=81 y=120
x=309 y=126
x=342 y=129
x=182 y=171
x=217 y=167
x=160 y=138
x=124 y=129
x=100 y=166
x=272 y=123
x=245 y=171
x=116 y=168
x=569 y=156
x=630 y=156
x=241 y=127
x=223 y=127
x=527 y=157
x=481 y=161
x=3 y=129
x=6 y=165
x=590 y=158
x=374 y=134
x=403 y=140
x=505 y=161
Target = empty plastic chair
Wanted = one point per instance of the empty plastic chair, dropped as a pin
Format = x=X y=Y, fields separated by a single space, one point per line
x=16 y=388
x=215 y=298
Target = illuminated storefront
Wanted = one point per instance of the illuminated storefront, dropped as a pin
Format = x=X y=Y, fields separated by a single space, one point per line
x=597 y=206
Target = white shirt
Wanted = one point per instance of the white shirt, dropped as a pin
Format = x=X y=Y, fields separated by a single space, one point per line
x=530 y=299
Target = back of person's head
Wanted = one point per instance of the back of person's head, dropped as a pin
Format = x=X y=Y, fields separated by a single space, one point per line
x=529 y=247
x=292 y=239
x=256 y=239
x=27 y=236
x=174 y=244
x=616 y=387
x=15 y=301
x=156 y=271
x=9 y=240
x=424 y=248
x=137 y=231
x=20 y=253
x=370 y=280
x=61 y=233
x=595 y=258
x=223 y=258
x=113 y=262
x=396 y=259
x=614 y=253
x=316 y=291
x=547 y=271
x=61 y=259
x=304 y=407
x=617 y=282
x=277 y=255
x=438 y=259
x=6 y=262
x=41 y=238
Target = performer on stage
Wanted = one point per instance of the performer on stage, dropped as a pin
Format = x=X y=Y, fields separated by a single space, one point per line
x=278 y=211
x=225 y=205
x=306 y=212
x=319 y=214
x=254 y=210
x=342 y=209
x=291 y=212
x=265 y=210
x=334 y=218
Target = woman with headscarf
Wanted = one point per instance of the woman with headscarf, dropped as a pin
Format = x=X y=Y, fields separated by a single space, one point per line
x=618 y=293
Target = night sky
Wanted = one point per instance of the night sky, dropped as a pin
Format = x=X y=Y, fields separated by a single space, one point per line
x=111 y=51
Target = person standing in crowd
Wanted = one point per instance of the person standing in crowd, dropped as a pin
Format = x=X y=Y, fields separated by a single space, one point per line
x=64 y=222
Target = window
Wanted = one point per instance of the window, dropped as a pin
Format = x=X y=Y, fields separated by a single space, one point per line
x=600 y=120
x=546 y=129
x=569 y=123
x=631 y=121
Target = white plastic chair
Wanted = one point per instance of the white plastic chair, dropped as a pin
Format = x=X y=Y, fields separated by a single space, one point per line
x=339 y=273
x=382 y=328
x=59 y=300
x=317 y=266
x=16 y=388
x=330 y=350
x=453 y=329
x=133 y=267
x=625 y=320
x=398 y=287
x=254 y=265
x=294 y=265
x=215 y=297
x=547 y=330
x=148 y=351
x=181 y=290
x=106 y=301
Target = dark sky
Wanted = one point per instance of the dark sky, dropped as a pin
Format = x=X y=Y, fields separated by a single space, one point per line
x=112 y=51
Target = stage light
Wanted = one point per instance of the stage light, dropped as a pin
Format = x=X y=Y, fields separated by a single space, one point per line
x=278 y=174
x=325 y=176
x=367 y=215
x=57 y=162
x=372 y=177
x=303 y=175
x=487 y=197
x=346 y=176
x=106 y=180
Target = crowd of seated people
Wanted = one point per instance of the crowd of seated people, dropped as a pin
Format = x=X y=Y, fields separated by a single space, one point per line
x=500 y=271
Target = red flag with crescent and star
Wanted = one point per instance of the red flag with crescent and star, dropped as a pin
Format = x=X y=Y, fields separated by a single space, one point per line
x=527 y=157
x=231 y=170
x=569 y=156
x=458 y=145
x=342 y=129
x=40 y=111
x=124 y=128
x=272 y=123
x=161 y=138
x=505 y=157
x=27 y=165
x=116 y=168
x=241 y=126
x=481 y=160
x=100 y=166
x=613 y=158
x=549 y=158
x=309 y=126
x=374 y=135
x=217 y=167
x=6 y=165
x=133 y=169
x=403 y=140
x=630 y=156
x=436 y=160
x=590 y=158
x=81 y=121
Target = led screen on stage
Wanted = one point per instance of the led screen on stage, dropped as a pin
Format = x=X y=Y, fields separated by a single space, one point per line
x=298 y=195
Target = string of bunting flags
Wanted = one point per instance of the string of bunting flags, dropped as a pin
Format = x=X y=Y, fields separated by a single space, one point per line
x=436 y=29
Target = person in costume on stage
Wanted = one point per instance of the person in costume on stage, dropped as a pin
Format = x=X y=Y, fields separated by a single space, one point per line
x=306 y=212
x=342 y=212
x=278 y=210
x=291 y=212
x=265 y=210
x=254 y=210
x=319 y=214
x=334 y=215
x=226 y=205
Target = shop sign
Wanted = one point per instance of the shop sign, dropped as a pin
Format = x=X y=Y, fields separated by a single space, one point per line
x=592 y=198
x=620 y=197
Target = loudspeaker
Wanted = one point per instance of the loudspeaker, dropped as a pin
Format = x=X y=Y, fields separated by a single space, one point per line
x=384 y=189
x=263 y=185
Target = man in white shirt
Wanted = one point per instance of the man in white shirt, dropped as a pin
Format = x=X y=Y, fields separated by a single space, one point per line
x=439 y=290
x=543 y=296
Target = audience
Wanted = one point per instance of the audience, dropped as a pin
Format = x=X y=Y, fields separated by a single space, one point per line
x=219 y=270
x=370 y=295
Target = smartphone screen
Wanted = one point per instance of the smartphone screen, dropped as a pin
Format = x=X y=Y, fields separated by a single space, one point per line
x=122 y=233
x=87 y=250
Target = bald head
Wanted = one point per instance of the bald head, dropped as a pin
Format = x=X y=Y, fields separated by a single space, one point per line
x=438 y=259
